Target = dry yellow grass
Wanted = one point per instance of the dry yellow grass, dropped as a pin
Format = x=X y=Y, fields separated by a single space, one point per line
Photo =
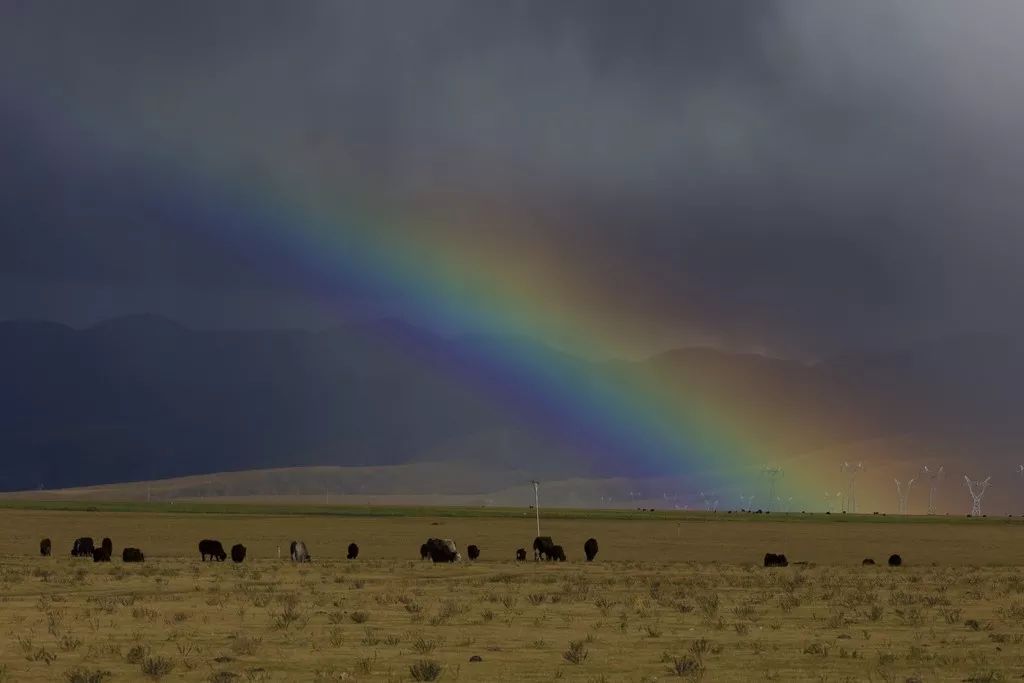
x=664 y=601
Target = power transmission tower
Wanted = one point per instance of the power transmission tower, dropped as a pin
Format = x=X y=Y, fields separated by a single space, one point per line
x=746 y=502
x=903 y=493
x=933 y=477
x=831 y=499
x=977 y=490
x=709 y=503
x=772 y=472
x=850 y=470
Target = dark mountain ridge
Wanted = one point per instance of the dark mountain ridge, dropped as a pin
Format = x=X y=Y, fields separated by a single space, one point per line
x=143 y=398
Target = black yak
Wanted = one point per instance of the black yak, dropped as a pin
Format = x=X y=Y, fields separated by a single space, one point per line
x=83 y=547
x=424 y=551
x=521 y=555
x=45 y=547
x=773 y=560
x=895 y=560
x=132 y=555
x=299 y=552
x=353 y=551
x=543 y=548
x=238 y=553
x=867 y=561
x=100 y=555
x=557 y=553
x=472 y=552
x=107 y=545
x=212 y=549
x=590 y=549
x=442 y=550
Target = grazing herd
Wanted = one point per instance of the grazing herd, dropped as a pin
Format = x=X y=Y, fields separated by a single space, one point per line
x=435 y=549
x=85 y=547
x=544 y=548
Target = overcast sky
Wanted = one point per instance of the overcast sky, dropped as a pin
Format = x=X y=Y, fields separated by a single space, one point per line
x=798 y=177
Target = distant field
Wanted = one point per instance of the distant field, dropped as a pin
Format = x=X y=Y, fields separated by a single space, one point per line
x=671 y=596
x=257 y=507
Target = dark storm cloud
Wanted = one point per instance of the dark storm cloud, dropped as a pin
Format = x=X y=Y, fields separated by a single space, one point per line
x=796 y=175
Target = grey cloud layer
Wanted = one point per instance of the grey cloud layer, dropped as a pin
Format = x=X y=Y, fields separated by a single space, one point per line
x=822 y=173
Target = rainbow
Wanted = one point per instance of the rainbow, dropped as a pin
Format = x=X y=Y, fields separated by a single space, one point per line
x=638 y=423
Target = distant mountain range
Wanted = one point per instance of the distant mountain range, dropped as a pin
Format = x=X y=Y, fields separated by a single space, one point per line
x=141 y=398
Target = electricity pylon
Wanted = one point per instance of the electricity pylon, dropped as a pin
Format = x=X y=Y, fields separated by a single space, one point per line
x=709 y=503
x=977 y=490
x=851 y=470
x=933 y=477
x=903 y=493
x=772 y=472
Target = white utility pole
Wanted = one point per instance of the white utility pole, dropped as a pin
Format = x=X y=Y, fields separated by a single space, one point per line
x=536 y=502
x=1020 y=471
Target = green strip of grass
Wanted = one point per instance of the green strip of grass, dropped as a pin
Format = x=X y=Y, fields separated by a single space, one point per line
x=191 y=507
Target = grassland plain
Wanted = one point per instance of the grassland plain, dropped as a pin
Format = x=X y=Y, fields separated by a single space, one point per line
x=669 y=598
